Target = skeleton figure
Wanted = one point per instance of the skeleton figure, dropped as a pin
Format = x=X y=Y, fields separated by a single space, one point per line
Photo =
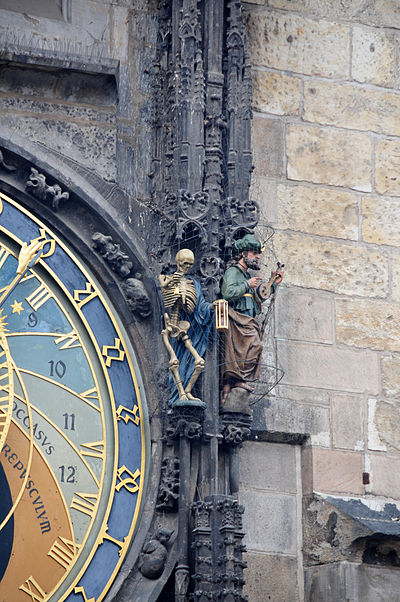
x=180 y=295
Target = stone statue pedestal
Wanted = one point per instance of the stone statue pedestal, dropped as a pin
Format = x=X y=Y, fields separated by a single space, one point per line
x=237 y=401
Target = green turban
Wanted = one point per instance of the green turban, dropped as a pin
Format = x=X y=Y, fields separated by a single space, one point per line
x=247 y=243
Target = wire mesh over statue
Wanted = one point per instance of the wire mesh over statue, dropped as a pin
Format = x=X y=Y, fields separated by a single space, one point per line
x=241 y=347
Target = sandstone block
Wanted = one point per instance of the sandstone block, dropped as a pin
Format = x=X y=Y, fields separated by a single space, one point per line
x=333 y=471
x=390 y=374
x=276 y=575
x=287 y=416
x=327 y=156
x=383 y=425
x=381 y=218
x=304 y=316
x=333 y=266
x=276 y=93
x=385 y=474
x=326 y=367
x=348 y=422
x=264 y=191
x=365 y=323
x=298 y=44
x=321 y=211
x=269 y=466
x=353 y=107
x=119 y=17
x=373 y=57
x=304 y=395
x=387 y=167
x=267 y=139
x=395 y=260
x=381 y=13
x=29 y=82
x=269 y=521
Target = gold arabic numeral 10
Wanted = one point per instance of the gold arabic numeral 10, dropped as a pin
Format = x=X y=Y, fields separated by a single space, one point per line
x=127 y=415
x=38 y=297
x=63 y=551
x=84 y=502
x=33 y=589
x=129 y=482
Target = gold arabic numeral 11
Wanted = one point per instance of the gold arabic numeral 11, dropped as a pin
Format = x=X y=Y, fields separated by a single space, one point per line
x=33 y=589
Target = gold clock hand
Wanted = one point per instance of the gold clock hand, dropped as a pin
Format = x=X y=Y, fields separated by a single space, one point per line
x=28 y=256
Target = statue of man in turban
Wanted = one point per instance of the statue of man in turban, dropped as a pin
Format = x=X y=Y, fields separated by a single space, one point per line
x=245 y=293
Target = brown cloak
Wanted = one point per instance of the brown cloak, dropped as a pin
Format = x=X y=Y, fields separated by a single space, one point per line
x=242 y=348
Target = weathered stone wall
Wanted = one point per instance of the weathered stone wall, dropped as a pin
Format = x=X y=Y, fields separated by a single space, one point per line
x=326 y=135
x=80 y=84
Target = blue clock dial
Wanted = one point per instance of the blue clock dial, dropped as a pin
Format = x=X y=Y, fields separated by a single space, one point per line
x=74 y=455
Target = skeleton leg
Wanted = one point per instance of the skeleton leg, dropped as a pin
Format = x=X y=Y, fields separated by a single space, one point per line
x=198 y=365
x=174 y=365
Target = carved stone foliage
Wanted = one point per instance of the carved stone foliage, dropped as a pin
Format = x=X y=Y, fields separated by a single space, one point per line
x=218 y=549
x=185 y=421
x=38 y=187
x=168 y=493
x=202 y=157
x=135 y=293
x=154 y=554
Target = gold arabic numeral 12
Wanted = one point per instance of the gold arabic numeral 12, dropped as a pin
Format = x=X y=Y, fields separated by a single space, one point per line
x=33 y=589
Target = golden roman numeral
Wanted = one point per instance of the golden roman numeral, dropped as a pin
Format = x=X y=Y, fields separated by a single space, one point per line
x=115 y=347
x=81 y=590
x=27 y=276
x=129 y=483
x=104 y=535
x=71 y=340
x=38 y=297
x=130 y=414
x=63 y=551
x=33 y=589
x=84 y=502
x=84 y=296
x=93 y=450
x=90 y=393
x=3 y=256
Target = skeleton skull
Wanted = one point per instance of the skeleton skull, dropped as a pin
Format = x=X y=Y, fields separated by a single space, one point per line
x=184 y=259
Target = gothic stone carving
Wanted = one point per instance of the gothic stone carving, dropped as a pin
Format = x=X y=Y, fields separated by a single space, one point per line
x=38 y=187
x=168 y=493
x=154 y=554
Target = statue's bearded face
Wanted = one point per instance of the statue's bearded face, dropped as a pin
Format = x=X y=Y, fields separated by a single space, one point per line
x=252 y=260
x=184 y=260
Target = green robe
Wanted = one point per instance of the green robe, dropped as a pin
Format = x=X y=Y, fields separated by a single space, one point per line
x=236 y=290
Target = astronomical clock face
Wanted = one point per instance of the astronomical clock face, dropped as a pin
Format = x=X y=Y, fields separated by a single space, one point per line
x=72 y=422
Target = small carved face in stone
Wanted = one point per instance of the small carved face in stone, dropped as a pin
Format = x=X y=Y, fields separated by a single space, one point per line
x=184 y=260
